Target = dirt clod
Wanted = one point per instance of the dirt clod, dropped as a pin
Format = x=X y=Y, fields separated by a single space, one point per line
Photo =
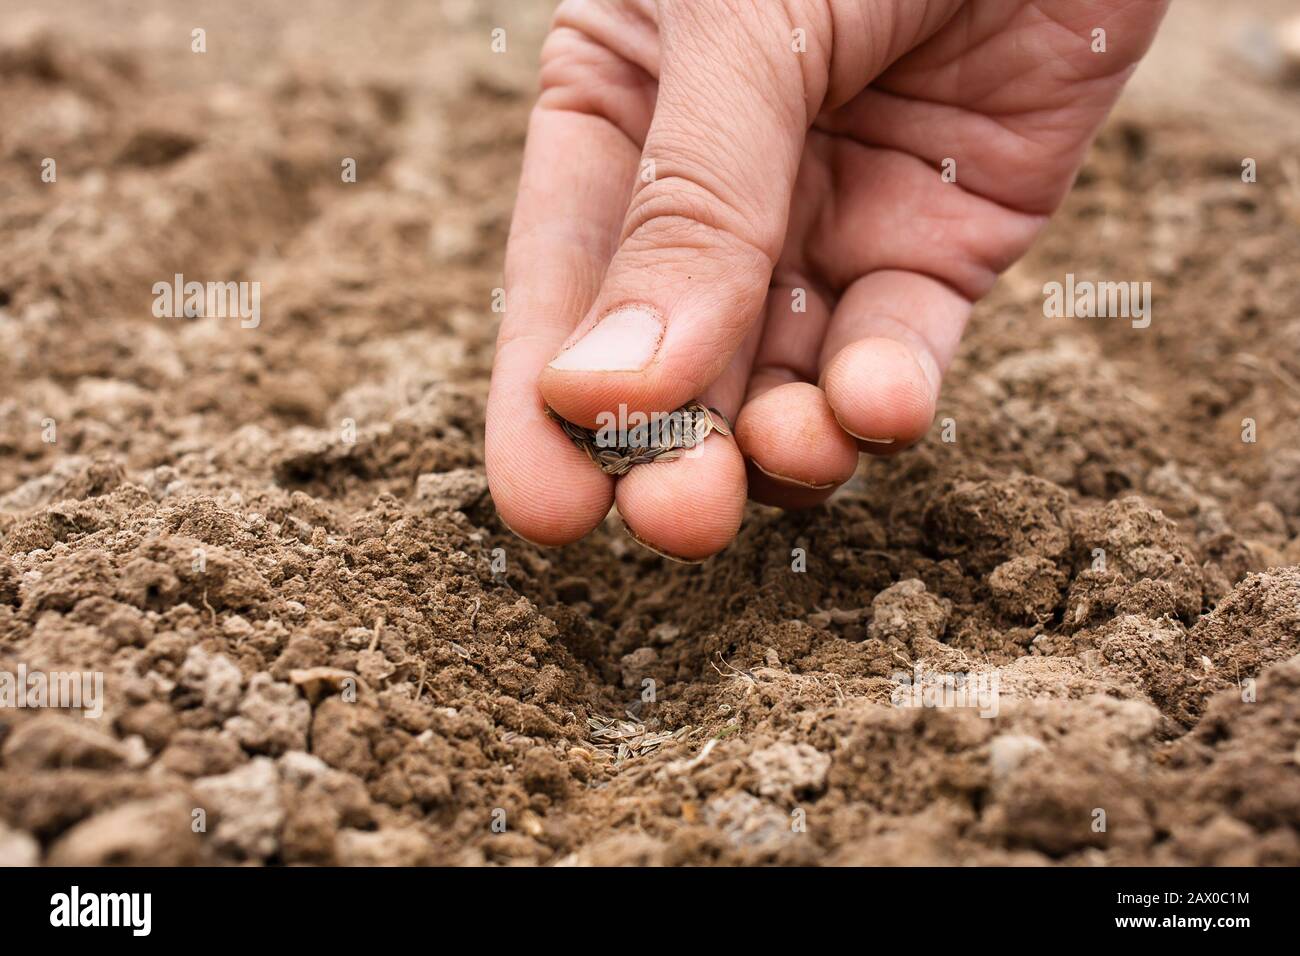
x=906 y=613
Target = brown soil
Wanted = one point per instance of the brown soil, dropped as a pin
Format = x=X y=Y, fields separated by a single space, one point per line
x=315 y=641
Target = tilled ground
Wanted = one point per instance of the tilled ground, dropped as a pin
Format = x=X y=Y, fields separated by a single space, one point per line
x=277 y=546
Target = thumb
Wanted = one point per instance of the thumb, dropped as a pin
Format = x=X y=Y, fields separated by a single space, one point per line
x=706 y=221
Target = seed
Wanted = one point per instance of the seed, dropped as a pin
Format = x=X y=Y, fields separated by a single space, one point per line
x=666 y=440
x=624 y=740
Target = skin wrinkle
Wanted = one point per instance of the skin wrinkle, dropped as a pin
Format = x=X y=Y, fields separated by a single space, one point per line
x=645 y=214
x=748 y=49
x=676 y=160
x=572 y=94
x=864 y=33
x=699 y=260
x=987 y=270
x=1128 y=60
x=819 y=38
x=961 y=91
x=882 y=51
x=953 y=115
x=935 y=157
x=788 y=373
x=636 y=44
x=799 y=111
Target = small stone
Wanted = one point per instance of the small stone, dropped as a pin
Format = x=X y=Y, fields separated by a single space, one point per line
x=382 y=848
x=236 y=628
x=1288 y=43
x=635 y=666
x=248 y=808
x=1008 y=751
x=788 y=770
x=215 y=678
x=665 y=633
x=300 y=768
x=747 y=821
x=18 y=848
x=272 y=717
x=137 y=752
x=838 y=617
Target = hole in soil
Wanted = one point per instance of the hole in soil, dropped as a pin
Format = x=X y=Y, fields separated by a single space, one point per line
x=156 y=147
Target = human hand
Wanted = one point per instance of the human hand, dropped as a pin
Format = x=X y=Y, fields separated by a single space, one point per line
x=692 y=177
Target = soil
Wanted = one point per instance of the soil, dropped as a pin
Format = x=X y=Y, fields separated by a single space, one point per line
x=319 y=645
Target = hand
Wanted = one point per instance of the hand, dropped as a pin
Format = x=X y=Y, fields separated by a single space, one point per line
x=695 y=174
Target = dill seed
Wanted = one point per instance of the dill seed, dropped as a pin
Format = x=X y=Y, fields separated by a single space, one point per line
x=666 y=440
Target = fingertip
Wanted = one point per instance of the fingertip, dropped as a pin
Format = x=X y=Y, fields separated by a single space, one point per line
x=688 y=509
x=879 y=394
x=545 y=490
x=553 y=514
x=791 y=436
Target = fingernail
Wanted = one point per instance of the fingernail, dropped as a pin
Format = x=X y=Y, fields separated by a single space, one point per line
x=663 y=554
x=793 y=481
x=623 y=341
x=867 y=438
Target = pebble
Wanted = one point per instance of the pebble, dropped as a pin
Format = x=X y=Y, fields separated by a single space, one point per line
x=273 y=717
x=786 y=770
x=214 y=677
x=1008 y=751
x=17 y=848
x=248 y=808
